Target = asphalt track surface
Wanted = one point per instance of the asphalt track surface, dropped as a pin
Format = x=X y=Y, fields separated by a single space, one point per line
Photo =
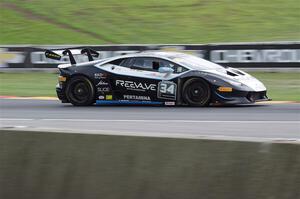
x=260 y=121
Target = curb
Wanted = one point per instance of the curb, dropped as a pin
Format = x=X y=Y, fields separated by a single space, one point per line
x=29 y=98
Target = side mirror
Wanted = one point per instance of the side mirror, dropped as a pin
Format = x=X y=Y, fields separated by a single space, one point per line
x=167 y=70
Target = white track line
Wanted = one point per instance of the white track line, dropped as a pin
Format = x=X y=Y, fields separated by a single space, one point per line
x=155 y=121
x=16 y=119
x=167 y=135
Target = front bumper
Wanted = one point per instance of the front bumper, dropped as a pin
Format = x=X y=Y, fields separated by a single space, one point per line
x=239 y=97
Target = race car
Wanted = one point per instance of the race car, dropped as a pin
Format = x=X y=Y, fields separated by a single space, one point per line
x=153 y=78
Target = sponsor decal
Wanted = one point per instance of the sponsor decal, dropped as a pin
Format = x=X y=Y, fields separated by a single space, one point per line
x=101 y=97
x=170 y=103
x=100 y=75
x=103 y=86
x=137 y=97
x=108 y=97
x=103 y=89
x=138 y=86
x=167 y=90
x=107 y=102
x=102 y=83
x=255 y=56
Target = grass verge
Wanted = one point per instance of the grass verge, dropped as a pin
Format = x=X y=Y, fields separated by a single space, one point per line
x=147 y=21
x=281 y=86
x=28 y=84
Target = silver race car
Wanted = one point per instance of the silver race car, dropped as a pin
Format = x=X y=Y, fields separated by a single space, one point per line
x=154 y=78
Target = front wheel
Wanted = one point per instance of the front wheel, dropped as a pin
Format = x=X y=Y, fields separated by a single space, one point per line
x=196 y=92
x=80 y=91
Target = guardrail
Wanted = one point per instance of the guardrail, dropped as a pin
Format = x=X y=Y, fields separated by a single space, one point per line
x=64 y=165
x=240 y=55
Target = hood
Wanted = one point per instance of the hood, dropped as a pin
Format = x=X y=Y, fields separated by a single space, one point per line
x=241 y=79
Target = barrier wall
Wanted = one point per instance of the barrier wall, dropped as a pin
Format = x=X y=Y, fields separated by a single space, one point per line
x=241 y=55
x=61 y=165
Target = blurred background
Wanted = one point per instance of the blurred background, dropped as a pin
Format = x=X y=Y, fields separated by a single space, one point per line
x=113 y=22
x=148 y=21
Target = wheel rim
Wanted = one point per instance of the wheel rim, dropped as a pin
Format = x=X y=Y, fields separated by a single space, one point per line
x=79 y=91
x=197 y=93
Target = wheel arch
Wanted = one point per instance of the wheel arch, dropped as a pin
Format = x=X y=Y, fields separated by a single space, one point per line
x=184 y=79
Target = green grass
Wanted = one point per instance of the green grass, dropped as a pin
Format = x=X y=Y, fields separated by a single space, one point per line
x=147 y=21
x=28 y=84
x=281 y=86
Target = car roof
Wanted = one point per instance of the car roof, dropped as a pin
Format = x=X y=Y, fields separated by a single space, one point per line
x=159 y=54
x=175 y=57
x=156 y=54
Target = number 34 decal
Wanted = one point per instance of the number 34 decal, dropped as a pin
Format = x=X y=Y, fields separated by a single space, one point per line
x=167 y=90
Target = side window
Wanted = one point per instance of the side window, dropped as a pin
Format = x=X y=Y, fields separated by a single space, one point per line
x=119 y=62
x=145 y=63
x=175 y=67
x=153 y=64
x=164 y=63
x=179 y=69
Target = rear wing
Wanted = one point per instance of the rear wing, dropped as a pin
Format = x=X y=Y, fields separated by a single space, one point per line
x=53 y=54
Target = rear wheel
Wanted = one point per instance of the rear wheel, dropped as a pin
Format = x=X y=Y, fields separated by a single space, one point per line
x=80 y=91
x=196 y=92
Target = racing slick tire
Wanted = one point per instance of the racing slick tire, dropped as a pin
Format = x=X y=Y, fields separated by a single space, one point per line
x=80 y=91
x=196 y=92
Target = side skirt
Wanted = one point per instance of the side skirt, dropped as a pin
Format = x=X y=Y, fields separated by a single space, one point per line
x=111 y=102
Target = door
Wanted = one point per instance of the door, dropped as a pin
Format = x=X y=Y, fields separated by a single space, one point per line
x=139 y=79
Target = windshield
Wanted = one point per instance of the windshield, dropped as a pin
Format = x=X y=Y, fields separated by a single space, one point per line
x=194 y=62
